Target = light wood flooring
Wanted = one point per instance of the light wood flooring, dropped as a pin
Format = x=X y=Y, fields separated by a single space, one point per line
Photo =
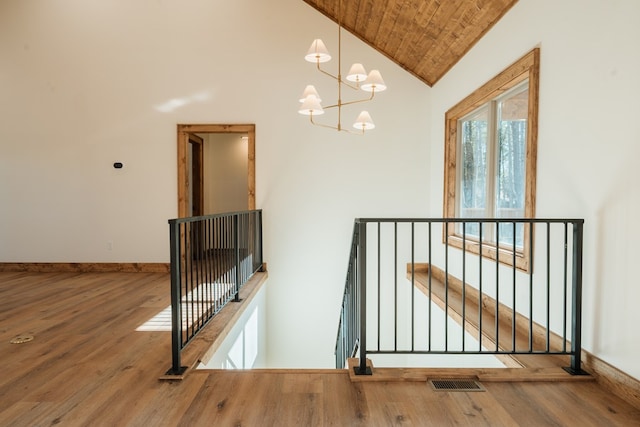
x=89 y=366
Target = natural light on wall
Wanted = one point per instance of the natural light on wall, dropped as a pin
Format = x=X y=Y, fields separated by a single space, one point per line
x=245 y=345
x=176 y=103
x=244 y=350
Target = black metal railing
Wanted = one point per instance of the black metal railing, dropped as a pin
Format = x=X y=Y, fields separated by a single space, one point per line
x=211 y=258
x=407 y=278
x=347 y=341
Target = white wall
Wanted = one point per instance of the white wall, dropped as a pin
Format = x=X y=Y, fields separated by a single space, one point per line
x=225 y=164
x=85 y=84
x=587 y=146
x=245 y=347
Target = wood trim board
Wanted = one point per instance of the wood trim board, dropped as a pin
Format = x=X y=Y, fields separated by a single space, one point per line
x=85 y=267
x=616 y=381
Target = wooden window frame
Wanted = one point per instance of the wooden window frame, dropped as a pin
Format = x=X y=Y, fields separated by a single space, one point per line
x=527 y=67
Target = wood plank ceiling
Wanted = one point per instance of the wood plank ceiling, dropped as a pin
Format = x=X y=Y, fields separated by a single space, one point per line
x=425 y=37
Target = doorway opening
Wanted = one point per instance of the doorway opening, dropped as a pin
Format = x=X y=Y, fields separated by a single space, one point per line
x=192 y=166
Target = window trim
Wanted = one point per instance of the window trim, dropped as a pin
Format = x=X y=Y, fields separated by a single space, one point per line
x=527 y=67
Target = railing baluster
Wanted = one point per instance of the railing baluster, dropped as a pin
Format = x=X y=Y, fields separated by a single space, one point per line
x=244 y=248
x=430 y=290
x=564 y=293
x=379 y=283
x=176 y=312
x=214 y=264
x=531 y=288
x=226 y=254
x=224 y=260
x=205 y=268
x=189 y=291
x=199 y=273
x=216 y=257
x=413 y=287
x=220 y=263
x=464 y=281
x=576 y=300
x=513 y=312
x=362 y=287
x=240 y=251
x=446 y=287
x=497 y=287
x=355 y=297
x=480 y=277
x=395 y=286
x=258 y=240
x=548 y=286
x=236 y=246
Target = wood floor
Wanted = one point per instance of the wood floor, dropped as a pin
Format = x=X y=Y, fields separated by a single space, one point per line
x=88 y=365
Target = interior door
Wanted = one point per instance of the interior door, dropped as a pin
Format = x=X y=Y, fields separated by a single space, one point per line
x=195 y=194
x=195 y=183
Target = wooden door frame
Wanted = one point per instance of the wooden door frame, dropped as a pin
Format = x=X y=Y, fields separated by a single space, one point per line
x=183 y=140
x=197 y=176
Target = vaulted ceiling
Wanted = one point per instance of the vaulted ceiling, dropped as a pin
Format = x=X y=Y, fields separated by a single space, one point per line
x=425 y=37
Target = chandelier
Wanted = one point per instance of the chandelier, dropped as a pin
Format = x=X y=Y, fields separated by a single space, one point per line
x=357 y=79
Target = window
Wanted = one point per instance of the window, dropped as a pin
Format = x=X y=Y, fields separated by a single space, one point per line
x=490 y=161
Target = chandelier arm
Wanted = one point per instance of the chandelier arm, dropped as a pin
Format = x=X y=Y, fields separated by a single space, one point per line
x=357 y=87
x=322 y=124
x=357 y=101
x=354 y=87
x=335 y=127
x=353 y=132
x=342 y=82
x=326 y=72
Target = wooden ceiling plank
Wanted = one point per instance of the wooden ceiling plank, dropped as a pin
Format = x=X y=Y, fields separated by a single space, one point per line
x=426 y=11
x=350 y=12
x=456 y=30
x=387 y=22
x=441 y=21
x=402 y=27
x=424 y=37
x=430 y=36
x=410 y=51
x=473 y=25
x=369 y=24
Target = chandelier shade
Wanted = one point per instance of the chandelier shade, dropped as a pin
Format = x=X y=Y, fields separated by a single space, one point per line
x=311 y=106
x=357 y=73
x=310 y=90
x=374 y=82
x=364 y=122
x=318 y=52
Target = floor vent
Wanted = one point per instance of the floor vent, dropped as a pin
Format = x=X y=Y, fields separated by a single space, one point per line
x=22 y=338
x=456 y=385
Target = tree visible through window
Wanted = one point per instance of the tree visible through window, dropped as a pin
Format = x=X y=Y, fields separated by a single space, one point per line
x=490 y=157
